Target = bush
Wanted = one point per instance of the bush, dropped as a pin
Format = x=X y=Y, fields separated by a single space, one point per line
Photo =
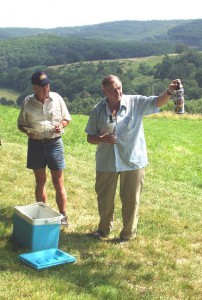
x=194 y=106
x=4 y=101
x=168 y=106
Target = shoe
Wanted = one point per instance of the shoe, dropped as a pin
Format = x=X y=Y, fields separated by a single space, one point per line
x=64 y=221
x=120 y=241
x=99 y=234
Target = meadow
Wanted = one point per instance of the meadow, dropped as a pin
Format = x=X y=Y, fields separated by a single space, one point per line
x=164 y=262
x=9 y=94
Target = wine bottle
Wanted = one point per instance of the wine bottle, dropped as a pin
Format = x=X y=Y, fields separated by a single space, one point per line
x=111 y=126
x=179 y=99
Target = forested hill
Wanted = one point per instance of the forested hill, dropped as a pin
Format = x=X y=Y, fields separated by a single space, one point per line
x=188 y=32
x=72 y=56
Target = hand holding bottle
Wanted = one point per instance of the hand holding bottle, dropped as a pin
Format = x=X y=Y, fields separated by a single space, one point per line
x=112 y=128
x=108 y=138
x=179 y=98
x=57 y=127
x=108 y=133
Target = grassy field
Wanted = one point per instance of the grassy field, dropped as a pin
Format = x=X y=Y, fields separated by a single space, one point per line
x=164 y=262
x=9 y=94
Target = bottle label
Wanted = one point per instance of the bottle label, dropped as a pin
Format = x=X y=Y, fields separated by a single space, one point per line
x=110 y=127
x=179 y=101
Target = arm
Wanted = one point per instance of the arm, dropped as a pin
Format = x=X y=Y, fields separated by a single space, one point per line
x=64 y=123
x=105 y=138
x=65 y=116
x=59 y=128
x=21 y=128
x=22 y=120
x=29 y=134
x=165 y=96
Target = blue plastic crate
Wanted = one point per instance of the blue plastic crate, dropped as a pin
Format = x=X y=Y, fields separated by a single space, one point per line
x=46 y=258
x=36 y=227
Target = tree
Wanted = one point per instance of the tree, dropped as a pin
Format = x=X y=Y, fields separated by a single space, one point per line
x=198 y=77
x=181 y=48
x=83 y=104
x=165 y=69
x=194 y=106
x=3 y=64
x=59 y=87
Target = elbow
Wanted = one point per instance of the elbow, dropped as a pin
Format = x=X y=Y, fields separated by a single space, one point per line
x=65 y=123
x=158 y=102
x=88 y=139
x=91 y=139
x=20 y=127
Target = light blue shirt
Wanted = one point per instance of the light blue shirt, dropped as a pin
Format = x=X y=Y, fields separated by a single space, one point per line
x=130 y=152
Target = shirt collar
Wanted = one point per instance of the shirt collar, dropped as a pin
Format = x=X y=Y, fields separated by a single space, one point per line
x=123 y=101
x=123 y=104
x=34 y=98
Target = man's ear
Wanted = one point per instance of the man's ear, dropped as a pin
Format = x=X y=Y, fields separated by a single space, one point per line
x=34 y=88
x=104 y=92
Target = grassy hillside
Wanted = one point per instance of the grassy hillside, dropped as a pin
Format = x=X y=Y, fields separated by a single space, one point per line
x=163 y=262
x=126 y=64
x=9 y=94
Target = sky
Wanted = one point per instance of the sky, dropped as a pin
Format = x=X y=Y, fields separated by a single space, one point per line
x=69 y=13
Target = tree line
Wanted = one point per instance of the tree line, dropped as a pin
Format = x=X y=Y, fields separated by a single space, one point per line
x=80 y=83
x=49 y=50
x=179 y=31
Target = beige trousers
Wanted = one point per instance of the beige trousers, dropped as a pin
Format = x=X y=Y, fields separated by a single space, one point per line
x=131 y=184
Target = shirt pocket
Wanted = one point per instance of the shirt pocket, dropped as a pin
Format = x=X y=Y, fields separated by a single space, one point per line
x=126 y=125
x=56 y=114
x=131 y=123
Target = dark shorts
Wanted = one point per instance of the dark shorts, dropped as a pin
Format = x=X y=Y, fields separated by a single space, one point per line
x=42 y=153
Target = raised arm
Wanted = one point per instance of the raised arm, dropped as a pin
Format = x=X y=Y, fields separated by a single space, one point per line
x=165 y=96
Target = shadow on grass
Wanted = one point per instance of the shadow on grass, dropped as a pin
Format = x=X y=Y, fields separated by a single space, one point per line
x=96 y=270
x=6 y=214
x=93 y=273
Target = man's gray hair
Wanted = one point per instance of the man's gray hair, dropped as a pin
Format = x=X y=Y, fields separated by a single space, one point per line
x=107 y=80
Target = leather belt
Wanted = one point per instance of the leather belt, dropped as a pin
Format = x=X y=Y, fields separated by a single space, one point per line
x=47 y=140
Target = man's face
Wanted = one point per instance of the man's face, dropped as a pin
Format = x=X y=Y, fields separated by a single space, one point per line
x=113 y=91
x=42 y=92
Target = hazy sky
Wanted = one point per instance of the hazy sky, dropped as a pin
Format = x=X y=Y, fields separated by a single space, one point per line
x=65 y=13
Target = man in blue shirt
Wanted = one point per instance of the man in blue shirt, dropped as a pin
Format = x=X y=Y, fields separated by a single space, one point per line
x=121 y=154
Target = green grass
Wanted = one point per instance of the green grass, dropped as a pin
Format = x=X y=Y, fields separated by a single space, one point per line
x=164 y=262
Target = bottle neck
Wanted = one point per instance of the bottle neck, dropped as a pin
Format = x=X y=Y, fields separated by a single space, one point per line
x=111 y=119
